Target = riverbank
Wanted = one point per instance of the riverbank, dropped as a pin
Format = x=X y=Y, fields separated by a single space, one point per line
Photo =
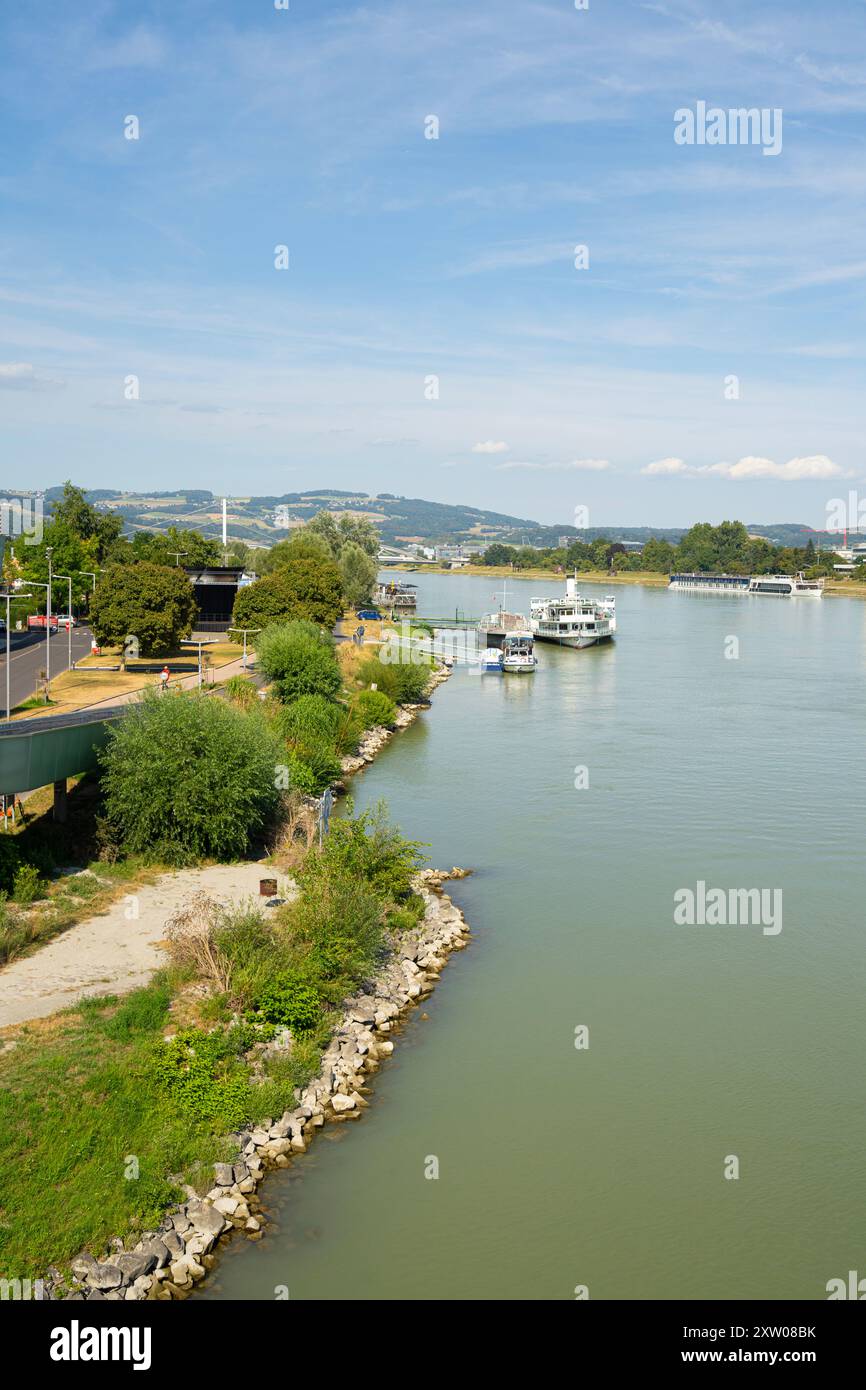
x=169 y=1261
x=836 y=588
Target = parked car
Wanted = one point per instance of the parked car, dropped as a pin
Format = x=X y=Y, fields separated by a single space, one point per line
x=370 y=615
x=66 y=619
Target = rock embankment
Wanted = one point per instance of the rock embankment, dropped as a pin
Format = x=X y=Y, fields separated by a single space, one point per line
x=168 y=1263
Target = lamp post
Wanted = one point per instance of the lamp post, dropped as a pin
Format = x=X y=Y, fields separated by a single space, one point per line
x=177 y=554
x=244 y=630
x=49 y=549
x=68 y=578
x=90 y=575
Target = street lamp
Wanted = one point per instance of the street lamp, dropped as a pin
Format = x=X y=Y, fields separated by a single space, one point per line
x=244 y=630
x=68 y=578
x=8 y=598
x=90 y=575
x=177 y=554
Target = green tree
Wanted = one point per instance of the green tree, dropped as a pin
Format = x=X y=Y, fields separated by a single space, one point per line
x=657 y=556
x=310 y=589
x=302 y=545
x=187 y=777
x=153 y=603
x=299 y=660
x=74 y=515
x=498 y=554
x=358 y=572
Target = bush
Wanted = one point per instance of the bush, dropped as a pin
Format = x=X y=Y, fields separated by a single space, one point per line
x=374 y=707
x=312 y=768
x=10 y=861
x=27 y=885
x=340 y=922
x=203 y=1074
x=187 y=777
x=307 y=587
x=298 y=661
x=291 y=1003
x=310 y=719
x=368 y=849
x=241 y=691
x=404 y=681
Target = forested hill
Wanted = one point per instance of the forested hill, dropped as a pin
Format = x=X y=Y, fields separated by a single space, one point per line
x=399 y=520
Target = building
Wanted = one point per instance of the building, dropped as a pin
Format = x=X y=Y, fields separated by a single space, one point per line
x=215 y=589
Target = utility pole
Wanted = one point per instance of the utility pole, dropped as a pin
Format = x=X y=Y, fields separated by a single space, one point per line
x=49 y=549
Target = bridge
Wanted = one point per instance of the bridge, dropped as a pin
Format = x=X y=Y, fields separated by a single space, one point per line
x=390 y=555
x=43 y=752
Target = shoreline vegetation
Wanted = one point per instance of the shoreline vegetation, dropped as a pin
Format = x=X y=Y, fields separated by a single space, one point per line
x=179 y=1079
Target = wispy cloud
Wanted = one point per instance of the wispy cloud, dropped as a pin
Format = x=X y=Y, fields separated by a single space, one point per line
x=814 y=469
x=490 y=446
x=575 y=466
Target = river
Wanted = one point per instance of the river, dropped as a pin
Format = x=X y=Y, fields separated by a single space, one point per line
x=604 y=1166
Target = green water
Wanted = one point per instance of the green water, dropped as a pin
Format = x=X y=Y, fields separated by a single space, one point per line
x=604 y=1167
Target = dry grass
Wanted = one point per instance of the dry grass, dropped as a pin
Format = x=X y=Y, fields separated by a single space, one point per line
x=191 y=941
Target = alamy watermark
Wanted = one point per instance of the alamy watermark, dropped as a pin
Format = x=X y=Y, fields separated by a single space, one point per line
x=738 y=126
x=729 y=907
x=22 y=516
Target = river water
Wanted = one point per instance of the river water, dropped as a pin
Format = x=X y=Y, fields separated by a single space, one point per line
x=604 y=1166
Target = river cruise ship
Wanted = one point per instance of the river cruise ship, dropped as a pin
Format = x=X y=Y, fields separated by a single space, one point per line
x=571 y=621
x=786 y=586
x=396 y=597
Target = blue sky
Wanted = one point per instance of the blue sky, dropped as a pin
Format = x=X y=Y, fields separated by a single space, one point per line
x=601 y=388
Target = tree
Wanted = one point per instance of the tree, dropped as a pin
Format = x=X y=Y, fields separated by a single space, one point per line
x=182 y=549
x=154 y=603
x=188 y=776
x=657 y=556
x=498 y=554
x=299 y=660
x=303 y=545
x=310 y=589
x=358 y=572
x=338 y=533
x=74 y=515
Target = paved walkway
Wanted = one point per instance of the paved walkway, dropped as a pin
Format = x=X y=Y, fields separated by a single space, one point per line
x=111 y=954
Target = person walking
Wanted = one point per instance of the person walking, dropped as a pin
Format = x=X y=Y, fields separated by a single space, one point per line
x=163 y=679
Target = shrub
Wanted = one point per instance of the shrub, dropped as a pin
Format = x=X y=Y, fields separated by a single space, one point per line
x=10 y=860
x=374 y=707
x=298 y=662
x=309 y=719
x=188 y=776
x=241 y=691
x=305 y=587
x=203 y=1074
x=312 y=768
x=340 y=920
x=404 y=681
x=367 y=848
x=27 y=885
x=291 y=1003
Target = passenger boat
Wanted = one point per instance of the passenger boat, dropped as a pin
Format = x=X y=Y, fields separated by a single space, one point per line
x=397 y=597
x=786 y=585
x=491 y=659
x=572 y=621
x=518 y=654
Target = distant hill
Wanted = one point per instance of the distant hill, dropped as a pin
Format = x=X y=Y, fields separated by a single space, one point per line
x=399 y=520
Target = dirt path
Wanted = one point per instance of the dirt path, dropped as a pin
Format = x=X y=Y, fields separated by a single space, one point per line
x=114 y=953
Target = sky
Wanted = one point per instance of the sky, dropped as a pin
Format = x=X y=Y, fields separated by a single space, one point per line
x=436 y=333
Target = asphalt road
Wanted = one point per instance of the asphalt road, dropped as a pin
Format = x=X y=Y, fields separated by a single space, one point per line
x=27 y=661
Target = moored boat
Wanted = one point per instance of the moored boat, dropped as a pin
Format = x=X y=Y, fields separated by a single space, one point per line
x=572 y=621
x=518 y=653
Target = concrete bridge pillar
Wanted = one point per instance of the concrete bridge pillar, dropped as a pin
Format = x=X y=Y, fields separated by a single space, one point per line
x=59 y=813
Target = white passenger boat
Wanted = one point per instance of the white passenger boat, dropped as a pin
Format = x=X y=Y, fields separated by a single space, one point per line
x=786 y=585
x=491 y=659
x=518 y=654
x=571 y=621
x=608 y=606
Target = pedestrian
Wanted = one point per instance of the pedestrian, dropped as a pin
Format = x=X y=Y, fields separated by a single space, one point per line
x=163 y=679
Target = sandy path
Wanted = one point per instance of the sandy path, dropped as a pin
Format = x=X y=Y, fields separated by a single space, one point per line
x=110 y=954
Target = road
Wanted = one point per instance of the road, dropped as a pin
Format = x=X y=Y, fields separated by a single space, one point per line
x=27 y=661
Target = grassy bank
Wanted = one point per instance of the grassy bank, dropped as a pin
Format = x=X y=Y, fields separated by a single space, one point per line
x=108 y=1109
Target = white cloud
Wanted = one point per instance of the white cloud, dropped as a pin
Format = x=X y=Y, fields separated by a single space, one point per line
x=15 y=371
x=665 y=467
x=814 y=468
x=491 y=446
x=817 y=466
